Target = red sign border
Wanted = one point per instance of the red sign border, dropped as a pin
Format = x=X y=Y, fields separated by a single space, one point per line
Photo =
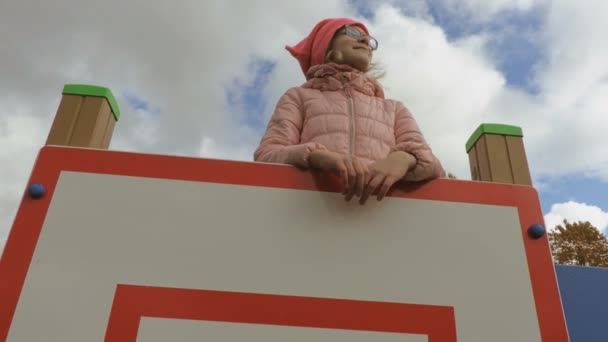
x=52 y=160
x=131 y=303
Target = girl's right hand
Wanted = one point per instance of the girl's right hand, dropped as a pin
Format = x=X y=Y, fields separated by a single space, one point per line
x=351 y=170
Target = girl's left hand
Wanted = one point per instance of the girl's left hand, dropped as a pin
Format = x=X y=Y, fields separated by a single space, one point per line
x=386 y=172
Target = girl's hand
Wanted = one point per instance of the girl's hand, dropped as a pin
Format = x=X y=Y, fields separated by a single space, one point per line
x=352 y=171
x=384 y=173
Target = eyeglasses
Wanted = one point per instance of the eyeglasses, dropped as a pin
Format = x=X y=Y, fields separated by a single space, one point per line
x=357 y=34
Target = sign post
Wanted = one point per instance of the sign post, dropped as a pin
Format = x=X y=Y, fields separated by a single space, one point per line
x=85 y=118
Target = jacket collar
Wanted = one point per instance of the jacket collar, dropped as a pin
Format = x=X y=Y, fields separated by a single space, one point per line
x=332 y=77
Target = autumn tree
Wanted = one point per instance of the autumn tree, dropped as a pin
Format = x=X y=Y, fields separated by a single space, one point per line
x=579 y=243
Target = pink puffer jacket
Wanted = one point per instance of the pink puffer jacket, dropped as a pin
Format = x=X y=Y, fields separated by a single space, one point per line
x=343 y=110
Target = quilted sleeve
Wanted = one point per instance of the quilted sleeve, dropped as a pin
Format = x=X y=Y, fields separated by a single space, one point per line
x=281 y=141
x=409 y=138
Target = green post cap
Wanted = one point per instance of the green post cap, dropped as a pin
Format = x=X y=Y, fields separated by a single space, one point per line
x=91 y=90
x=493 y=129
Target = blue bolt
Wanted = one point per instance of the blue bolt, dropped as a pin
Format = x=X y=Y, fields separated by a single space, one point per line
x=536 y=231
x=36 y=190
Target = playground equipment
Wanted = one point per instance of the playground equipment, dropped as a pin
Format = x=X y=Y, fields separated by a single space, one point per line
x=129 y=246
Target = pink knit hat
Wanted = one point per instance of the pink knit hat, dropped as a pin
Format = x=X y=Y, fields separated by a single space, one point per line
x=311 y=50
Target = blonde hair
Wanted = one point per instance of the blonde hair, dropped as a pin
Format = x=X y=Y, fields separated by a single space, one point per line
x=376 y=71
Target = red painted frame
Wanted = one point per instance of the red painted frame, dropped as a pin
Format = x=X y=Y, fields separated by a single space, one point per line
x=52 y=160
x=131 y=303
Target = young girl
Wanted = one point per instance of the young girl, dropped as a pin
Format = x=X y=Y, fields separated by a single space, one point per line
x=339 y=120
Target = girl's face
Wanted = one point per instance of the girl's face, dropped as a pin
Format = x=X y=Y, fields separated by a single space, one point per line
x=353 y=47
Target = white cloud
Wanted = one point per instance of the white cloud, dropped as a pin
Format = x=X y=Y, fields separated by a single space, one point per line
x=209 y=148
x=21 y=135
x=484 y=11
x=414 y=8
x=574 y=88
x=177 y=56
x=574 y=211
x=461 y=87
x=491 y=7
x=432 y=77
x=180 y=56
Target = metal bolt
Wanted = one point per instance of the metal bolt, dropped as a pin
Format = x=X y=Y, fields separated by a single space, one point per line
x=536 y=231
x=36 y=190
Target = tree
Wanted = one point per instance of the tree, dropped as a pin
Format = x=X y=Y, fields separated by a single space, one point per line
x=579 y=243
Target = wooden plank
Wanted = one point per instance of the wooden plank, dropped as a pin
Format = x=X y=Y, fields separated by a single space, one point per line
x=91 y=124
x=498 y=157
x=65 y=120
x=473 y=164
x=483 y=160
x=107 y=136
x=518 y=160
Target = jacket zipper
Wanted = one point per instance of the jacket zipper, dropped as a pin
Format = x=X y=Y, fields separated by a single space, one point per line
x=351 y=117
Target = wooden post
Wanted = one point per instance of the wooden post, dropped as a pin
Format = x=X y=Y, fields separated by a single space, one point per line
x=85 y=118
x=496 y=154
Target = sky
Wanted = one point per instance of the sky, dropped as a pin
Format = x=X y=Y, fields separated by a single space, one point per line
x=201 y=78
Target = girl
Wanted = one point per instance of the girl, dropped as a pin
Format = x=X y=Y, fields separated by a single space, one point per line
x=339 y=120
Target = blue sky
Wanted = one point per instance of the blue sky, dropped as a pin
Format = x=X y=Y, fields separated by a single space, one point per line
x=245 y=97
x=577 y=188
x=513 y=40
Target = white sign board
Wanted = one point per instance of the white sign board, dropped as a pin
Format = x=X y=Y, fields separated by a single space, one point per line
x=134 y=247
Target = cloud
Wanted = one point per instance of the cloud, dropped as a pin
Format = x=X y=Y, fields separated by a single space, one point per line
x=574 y=211
x=209 y=148
x=561 y=105
x=170 y=66
x=245 y=95
x=565 y=134
x=435 y=79
x=483 y=11
x=413 y=8
x=20 y=136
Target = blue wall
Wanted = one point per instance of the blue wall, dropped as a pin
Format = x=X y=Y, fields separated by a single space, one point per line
x=584 y=293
